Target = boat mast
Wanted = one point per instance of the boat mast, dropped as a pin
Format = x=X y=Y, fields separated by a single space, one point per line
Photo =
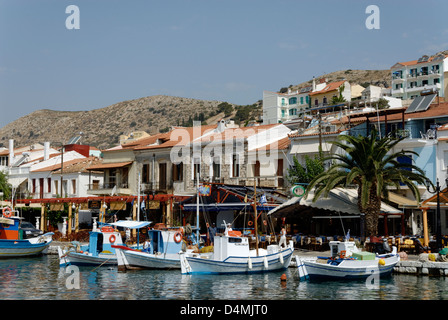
x=256 y=215
x=197 y=208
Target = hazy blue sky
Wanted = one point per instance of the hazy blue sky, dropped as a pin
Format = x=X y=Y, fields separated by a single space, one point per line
x=207 y=49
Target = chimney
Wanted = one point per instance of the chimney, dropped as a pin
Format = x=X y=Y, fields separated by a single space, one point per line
x=46 y=150
x=11 y=152
x=314 y=84
x=221 y=126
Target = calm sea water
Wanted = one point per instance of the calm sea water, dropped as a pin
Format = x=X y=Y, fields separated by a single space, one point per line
x=41 y=278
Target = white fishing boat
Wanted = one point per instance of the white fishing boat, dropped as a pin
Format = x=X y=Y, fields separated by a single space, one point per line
x=162 y=251
x=99 y=250
x=232 y=255
x=348 y=262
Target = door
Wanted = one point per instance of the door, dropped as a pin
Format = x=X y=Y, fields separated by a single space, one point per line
x=41 y=188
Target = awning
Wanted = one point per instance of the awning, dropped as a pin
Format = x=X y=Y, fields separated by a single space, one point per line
x=15 y=182
x=109 y=165
x=310 y=147
x=342 y=200
x=130 y=224
x=402 y=202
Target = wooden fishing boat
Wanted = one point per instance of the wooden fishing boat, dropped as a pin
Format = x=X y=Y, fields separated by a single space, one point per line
x=160 y=252
x=348 y=262
x=11 y=242
x=232 y=255
x=99 y=251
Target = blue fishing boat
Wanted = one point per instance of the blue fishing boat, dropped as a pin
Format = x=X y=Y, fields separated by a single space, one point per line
x=161 y=250
x=12 y=243
x=100 y=250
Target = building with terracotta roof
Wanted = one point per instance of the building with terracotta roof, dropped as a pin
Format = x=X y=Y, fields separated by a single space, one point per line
x=409 y=78
x=324 y=97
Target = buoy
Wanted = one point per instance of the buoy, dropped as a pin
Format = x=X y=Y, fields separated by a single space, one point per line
x=281 y=257
x=283 y=277
x=266 y=262
x=249 y=262
x=382 y=262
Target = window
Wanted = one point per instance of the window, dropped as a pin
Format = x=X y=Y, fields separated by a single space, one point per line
x=436 y=80
x=425 y=82
x=34 y=185
x=293 y=100
x=56 y=186
x=307 y=99
x=301 y=100
x=196 y=169
x=73 y=186
x=178 y=172
x=256 y=168
x=145 y=173
x=49 y=185
x=235 y=166
x=216 y=170
x=316 y=102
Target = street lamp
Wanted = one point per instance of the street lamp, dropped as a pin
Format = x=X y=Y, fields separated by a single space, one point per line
x=438 y=222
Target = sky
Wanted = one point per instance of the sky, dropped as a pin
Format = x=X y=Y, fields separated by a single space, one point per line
x=225 y=50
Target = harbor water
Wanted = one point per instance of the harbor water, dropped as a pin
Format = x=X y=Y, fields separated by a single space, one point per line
x=41 y=278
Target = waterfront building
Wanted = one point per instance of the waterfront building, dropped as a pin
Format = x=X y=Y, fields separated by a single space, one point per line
x=284 y=107
x=409 y=78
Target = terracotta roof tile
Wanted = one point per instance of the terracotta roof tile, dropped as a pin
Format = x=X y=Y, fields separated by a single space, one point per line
x=329 y=87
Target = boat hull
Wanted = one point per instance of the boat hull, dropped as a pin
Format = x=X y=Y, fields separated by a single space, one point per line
x=82 y=259
x=235 y=265
x=25 y=248
x=351 y=269
x=21 y=248
x=138 y=259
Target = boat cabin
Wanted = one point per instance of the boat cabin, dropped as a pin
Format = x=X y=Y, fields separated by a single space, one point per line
x=230 y=244
x=103 y=239
x=165 y=241
x=347 y=248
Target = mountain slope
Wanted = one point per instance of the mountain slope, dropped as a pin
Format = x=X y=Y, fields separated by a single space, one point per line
x=102 y=127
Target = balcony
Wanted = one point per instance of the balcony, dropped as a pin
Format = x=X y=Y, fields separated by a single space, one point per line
x=108 y=188
x=397 y=91
x=262 y=181
x=419 y=88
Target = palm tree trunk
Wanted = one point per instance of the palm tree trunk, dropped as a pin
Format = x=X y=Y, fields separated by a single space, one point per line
x=371 y=211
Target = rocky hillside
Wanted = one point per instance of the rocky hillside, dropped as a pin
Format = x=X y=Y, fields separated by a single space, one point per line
x=365 y=78
x=102 y=127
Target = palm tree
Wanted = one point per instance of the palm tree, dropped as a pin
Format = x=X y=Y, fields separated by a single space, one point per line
x=369 y=164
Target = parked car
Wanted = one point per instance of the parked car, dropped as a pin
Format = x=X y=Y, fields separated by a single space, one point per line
x=29 y=231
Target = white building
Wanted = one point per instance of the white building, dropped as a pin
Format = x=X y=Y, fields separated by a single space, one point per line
x=283 y=107
x=427 y=73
